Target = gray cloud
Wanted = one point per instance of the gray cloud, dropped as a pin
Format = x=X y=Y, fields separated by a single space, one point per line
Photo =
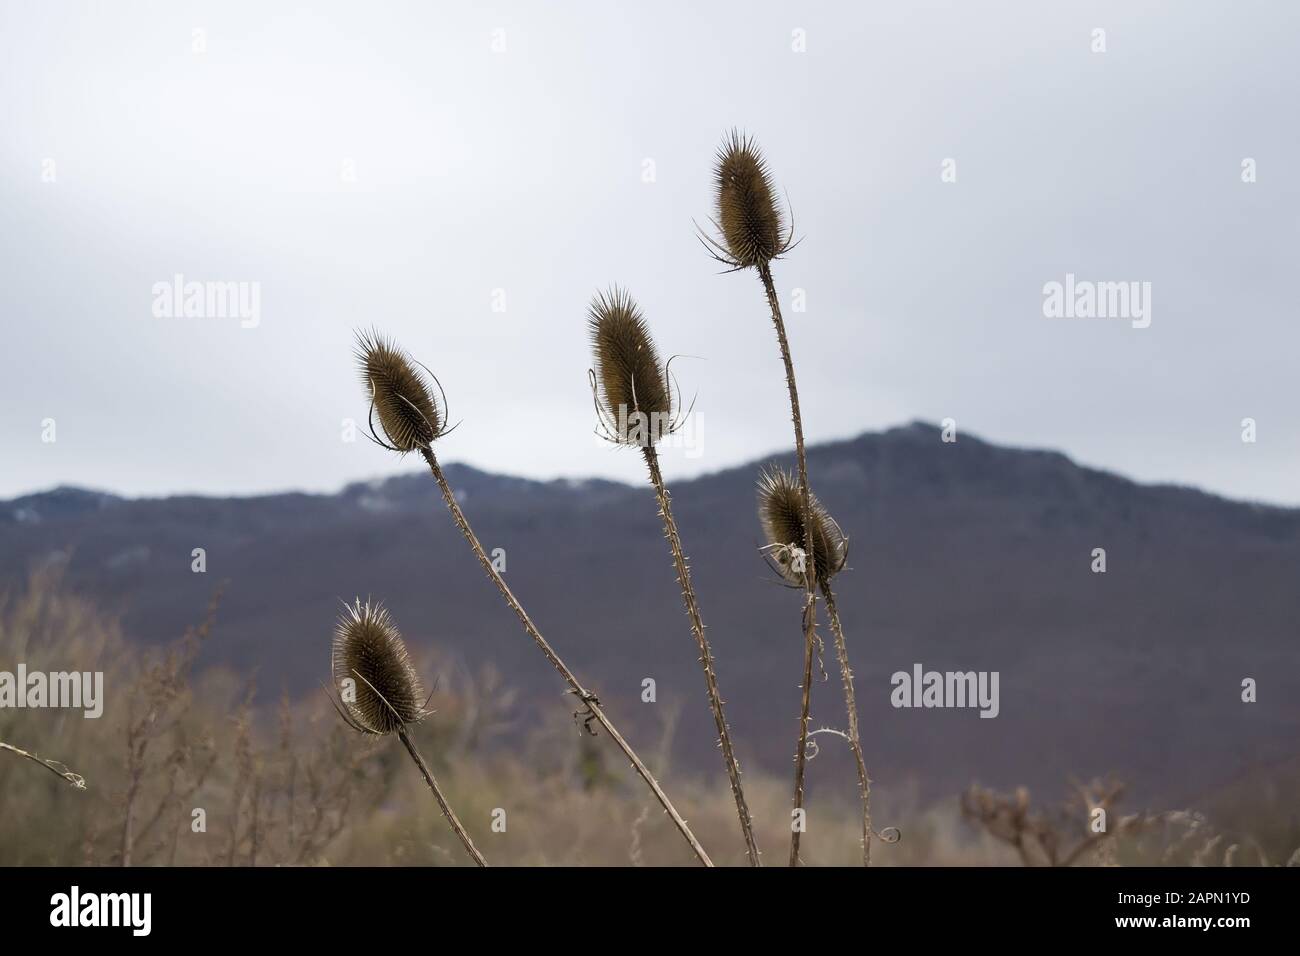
x=522 y=171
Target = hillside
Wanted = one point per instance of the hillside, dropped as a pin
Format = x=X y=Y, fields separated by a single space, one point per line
x=964 y=556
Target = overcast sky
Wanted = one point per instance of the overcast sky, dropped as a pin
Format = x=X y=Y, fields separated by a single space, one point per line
x=417 y=167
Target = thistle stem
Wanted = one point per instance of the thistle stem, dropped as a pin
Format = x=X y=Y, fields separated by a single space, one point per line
x=706 y=654
x=810 y=570
x=587 y=698
x=801 y=755
x=76 y=779
x=447 y=811
x=851 y=705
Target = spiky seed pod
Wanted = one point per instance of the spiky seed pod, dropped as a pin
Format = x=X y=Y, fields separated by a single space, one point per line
x=780 y=512
x=408 y=413
x=751 y=222
x=385 y=693
x=634 y=397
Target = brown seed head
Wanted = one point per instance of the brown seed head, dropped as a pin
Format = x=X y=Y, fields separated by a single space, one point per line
x=633 y=392
x=385 y=691
x=402 y=400
x=780 y=512
x=751 y=222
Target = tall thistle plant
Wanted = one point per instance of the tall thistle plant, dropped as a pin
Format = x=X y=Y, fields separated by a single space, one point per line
x=379 y=691
x=411 y=419
x=633 y=393
x=781 y=514
x=752 y=230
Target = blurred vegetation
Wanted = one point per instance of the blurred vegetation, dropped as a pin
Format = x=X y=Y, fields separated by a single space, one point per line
x=283 y=782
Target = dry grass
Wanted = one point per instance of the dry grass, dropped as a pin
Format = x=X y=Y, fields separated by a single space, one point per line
x=284 y=783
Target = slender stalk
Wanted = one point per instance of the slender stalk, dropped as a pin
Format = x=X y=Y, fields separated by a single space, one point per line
x=706 y=655
x=76 y=779
x=810 y=570
x=801 y=755
x=851 y=704
x=588 y=699
x=447 y=811
x=128 y=821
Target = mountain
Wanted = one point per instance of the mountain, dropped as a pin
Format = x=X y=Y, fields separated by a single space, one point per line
x=965 y=556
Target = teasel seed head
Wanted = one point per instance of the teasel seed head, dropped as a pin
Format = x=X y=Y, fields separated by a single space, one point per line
x=750 y=222
x=409 y=415
x=385 y=693
x=630 y=385
x=780 y=512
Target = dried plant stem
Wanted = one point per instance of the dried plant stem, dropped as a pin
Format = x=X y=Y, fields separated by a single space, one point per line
x=706 y=655
x=447 y=811
x=801 y=755
x=585 y=697
x=851 y=704
x=810 y=570
x=76 y=779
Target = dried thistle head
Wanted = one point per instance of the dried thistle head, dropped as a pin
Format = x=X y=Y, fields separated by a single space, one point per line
x=400 y=395
x=630 y=386
x=751 y=225
x=384 y=692
x=780 y=512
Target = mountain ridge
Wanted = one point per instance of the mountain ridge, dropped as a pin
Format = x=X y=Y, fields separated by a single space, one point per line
x=965 y=555
x=90 y=495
